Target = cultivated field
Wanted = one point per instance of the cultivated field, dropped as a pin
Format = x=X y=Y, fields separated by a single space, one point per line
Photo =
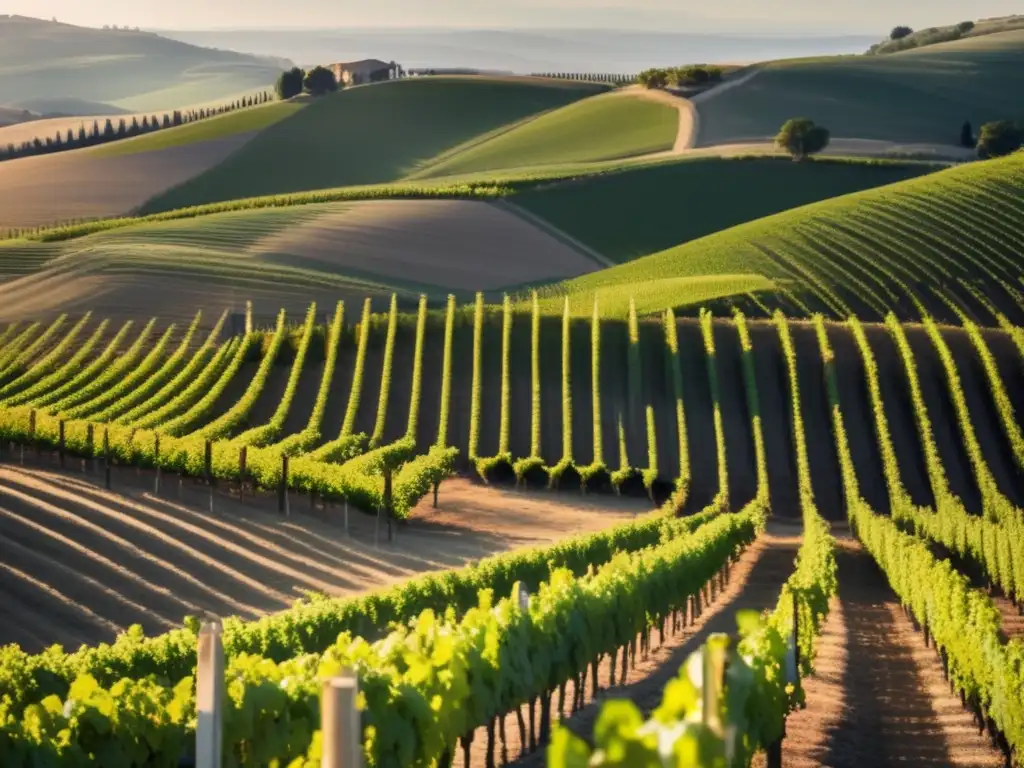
x=918 y=96
x=940 y=245
x=86 y=184
x=321 y=147
x=285 y=257
x=505 y=399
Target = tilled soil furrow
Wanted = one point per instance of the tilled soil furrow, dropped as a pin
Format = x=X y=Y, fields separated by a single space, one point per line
x=754 y=583
x=859 y=418
x=700 y=423
x=739 y=438
x=899 y=413
x=945 y=427
x=988 y=427
x=50 y=544
x=428 y=420
x=304 y=400
x=341 y=384
x=109 y=525
x=817 y=418
x=397 y=423
x=878 y=697
x=776 y=424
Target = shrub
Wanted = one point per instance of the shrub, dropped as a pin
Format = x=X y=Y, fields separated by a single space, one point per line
x=319 y=80
x=1000 y=138
x=289 y=83
x=898 y=33
x=801 y=137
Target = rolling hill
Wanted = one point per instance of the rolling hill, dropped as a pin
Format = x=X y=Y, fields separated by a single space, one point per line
x=923 y=95
x=941 y=244
x=604 y=127
x=127 y=69
x=373 y=134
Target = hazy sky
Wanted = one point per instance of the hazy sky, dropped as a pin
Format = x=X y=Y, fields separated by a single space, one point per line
x=833 y=15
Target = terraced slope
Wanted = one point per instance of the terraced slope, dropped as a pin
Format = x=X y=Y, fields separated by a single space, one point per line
x=673 y=203
x=945 y=243
x=401 y=125
x=913 y=97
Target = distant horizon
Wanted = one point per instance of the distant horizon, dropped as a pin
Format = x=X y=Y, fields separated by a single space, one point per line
x=874 y=17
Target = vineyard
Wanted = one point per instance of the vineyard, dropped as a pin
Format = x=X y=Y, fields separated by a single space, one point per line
x=736 y=431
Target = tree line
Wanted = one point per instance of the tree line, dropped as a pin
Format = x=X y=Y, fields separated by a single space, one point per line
x=588 y=77
x=693 y=75
x=124 y=128
x=903 y=38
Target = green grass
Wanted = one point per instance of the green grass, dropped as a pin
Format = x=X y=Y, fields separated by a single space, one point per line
x=923 y=95
x=369 y=135
x=604 y=127
x=925 y=245
x=220 y=127
x=628 y=215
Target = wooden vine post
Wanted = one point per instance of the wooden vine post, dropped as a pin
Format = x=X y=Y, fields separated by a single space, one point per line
x=340 y=723
x=106 y=458
x=208 y=469
x=209 y=695
x=60 y=445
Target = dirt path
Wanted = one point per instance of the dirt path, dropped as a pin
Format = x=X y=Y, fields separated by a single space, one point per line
x=686 y=133
x=878 y=697
x=988 y=427
x=81 y=563
x=899 y=412
x=754 y=583
x=859 y=418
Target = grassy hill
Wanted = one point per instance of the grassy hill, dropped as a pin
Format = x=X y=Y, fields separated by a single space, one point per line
x=921 y=95
x=604 y=127
x=632 y=213
x=372 y=134
x=131 y=70
x=942 y=243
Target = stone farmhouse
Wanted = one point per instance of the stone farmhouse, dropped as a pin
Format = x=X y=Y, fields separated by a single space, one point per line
x=365 y=71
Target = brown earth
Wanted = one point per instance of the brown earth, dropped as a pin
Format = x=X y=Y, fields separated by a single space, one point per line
x=658 y=392
x=304 y=400
x=80 y=184
x=490 y=385
x=430 y=394
x=859 y=418
x=736 y=417
x=899 y=412
x=81 y=563
x=396 y=422
x=878 y=697
x=988 y=427
x=580 y=351
x=754 y=583
x=826 y=478
x=458 y=244
x=700 y=424
x=776 y=420
x=551 y=389
x=521 y=394
x=74 y=288
x=373 y=368
x=341 y=383
x=945 y=427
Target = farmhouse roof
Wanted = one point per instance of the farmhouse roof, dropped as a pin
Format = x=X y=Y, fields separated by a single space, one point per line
x=363 y=64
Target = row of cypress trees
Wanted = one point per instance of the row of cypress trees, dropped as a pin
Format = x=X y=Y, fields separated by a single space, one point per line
x=122 y=129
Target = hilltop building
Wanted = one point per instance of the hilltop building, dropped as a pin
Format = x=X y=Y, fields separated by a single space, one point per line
x=365 y=71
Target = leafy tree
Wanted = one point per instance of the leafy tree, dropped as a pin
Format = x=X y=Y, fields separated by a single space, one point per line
x=967 y=135
x=964 y=27
x=801 y=138
x=289 y=83
x=653 y=78
x=319 y=80
x=898 y=33
x=1000 y=138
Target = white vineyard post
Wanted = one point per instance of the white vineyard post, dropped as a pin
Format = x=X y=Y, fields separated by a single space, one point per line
x=339 y=722
x=209 y=695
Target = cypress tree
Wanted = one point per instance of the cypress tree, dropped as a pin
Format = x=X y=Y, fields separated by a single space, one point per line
x=135 y=126
x=96 y=128
x=145 y=123
x=81 y=134
x=122 y=127
x=167 y=121
x=71 y=137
